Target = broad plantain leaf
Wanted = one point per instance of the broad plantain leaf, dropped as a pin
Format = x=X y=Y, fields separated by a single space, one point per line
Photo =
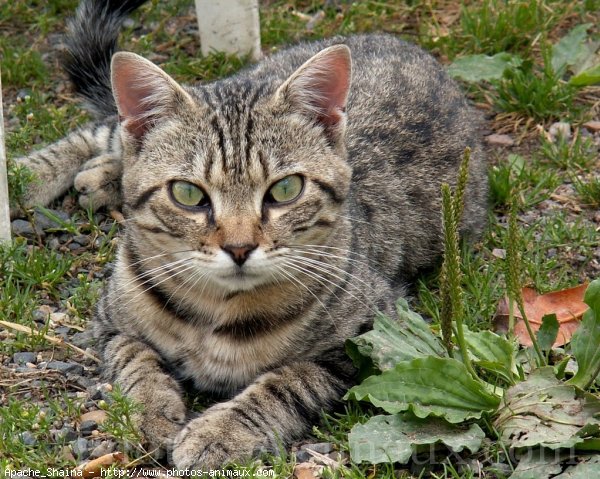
x=392 y=341
x=543 y=411
x=587 y=468
x=586 y=340
x=548 y=332
x=396 y=438
x=492 y=352
x=428 y=386
x=587 y=77
x=475 y=68
x=571 y=49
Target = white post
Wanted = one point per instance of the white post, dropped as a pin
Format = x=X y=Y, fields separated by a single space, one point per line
x=230 y=26
x=4 y=207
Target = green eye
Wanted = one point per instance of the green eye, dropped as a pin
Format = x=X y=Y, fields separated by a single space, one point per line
x=188 y=194
x=287 y=189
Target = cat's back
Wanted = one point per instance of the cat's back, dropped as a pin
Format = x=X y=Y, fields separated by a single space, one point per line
x=408 y=126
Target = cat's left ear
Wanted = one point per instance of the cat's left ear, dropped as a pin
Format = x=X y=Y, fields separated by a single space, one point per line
x=319 y=89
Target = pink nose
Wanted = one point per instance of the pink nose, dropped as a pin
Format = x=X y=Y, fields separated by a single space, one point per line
x=239 y=253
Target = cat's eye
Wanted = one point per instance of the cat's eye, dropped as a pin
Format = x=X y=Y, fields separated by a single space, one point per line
x=188 y=194
x=286 y=189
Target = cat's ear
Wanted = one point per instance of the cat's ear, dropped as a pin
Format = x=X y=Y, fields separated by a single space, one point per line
x=319 y=89
x=143 y=92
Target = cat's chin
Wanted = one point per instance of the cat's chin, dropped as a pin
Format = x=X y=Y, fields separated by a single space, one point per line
x=240 y=282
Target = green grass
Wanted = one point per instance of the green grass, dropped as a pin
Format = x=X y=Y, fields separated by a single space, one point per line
x=559 y=241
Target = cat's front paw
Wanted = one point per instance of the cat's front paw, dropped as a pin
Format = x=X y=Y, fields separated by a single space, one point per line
x=99 y=182
x=162 y=417
x=214 y=439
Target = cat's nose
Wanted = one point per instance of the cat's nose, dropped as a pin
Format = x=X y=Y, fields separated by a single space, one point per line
x=239 y=253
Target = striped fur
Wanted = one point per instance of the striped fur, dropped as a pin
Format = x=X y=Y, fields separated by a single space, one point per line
x=268 y=335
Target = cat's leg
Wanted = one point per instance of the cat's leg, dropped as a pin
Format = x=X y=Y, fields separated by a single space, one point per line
x=99 y=182
x=55 y=166
x=136 y=368
x=279 y=407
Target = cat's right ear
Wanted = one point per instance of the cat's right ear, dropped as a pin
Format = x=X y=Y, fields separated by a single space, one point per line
x=143 y=92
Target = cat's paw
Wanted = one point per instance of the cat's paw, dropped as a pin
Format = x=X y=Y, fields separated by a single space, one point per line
x=161 y=418
x=214 y=439
x=99 y=182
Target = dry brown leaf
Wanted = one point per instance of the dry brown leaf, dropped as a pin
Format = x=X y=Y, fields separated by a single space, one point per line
x=567 y=304
x=307 y=470
x=93 y=468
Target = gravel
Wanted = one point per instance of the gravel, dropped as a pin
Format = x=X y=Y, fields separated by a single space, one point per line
x=24 y=358
x=66 y=368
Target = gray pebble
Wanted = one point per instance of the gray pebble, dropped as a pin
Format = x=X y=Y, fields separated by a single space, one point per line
x=24 y=228
x=53 y=244
x=105 y=447
x=62 y=331
x=80 y=448
x=74 y=245
x=65 y=368
x=27 y=438
x=83 y=240
x=320 y=447
x=86 y=427
x=24 y=357
x=106 y=228
x=66 y=434
x=302 y=456
x=45 y=223
x=82 y=340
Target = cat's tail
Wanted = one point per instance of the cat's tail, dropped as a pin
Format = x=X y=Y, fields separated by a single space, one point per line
x=91 y=42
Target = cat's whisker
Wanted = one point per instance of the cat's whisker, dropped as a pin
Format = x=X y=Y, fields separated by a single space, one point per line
x=161 y=255
x=326 y=267
x=298 y=282
x=352 y=260
x=183 y=269
x=198 y=275
x=298 y=267
x=170 y=269
x=349 y=218
x=341 y=250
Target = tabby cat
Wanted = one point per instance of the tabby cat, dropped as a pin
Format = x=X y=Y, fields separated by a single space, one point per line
x=269 y=216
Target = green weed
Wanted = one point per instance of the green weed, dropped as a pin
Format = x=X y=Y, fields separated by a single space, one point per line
x=575 y=154
x=534 y=92
x=588 y=190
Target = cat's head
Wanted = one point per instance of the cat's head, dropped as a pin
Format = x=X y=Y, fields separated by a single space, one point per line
x=234 y=181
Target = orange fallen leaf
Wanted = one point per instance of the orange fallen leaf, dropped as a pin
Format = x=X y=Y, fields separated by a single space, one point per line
x=93 y=468
x=567 y=304
x=307 y=470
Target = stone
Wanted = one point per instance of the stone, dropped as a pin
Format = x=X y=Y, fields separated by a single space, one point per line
x=44 y=222
x=320 y=447
x=65 y=434
x=24 y=358
x=27 y=438
x=65 y=368
x=302 y=456
x=24 y=228
x=560 y=129
x=86 y=427
x=83 y=240
x=102 y=449
x=499 y=140
x=80 y=448
x=97 y=416
x=82 y=340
